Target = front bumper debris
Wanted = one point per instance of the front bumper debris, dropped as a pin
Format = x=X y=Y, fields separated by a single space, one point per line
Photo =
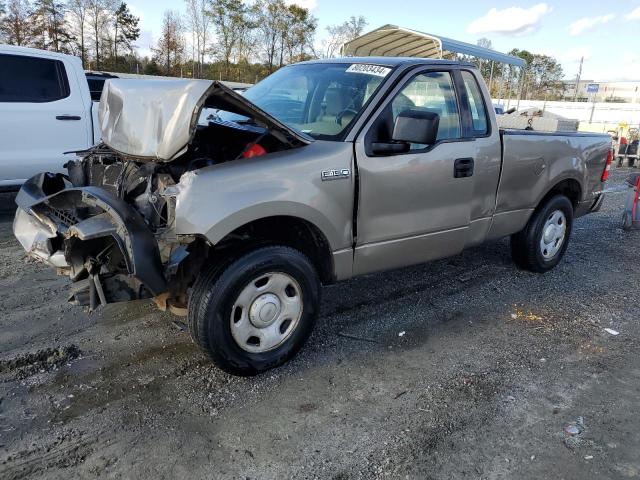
x=98 y=240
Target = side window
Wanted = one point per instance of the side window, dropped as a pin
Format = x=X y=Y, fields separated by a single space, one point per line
x=432 y=92
x=32 y=79
x=476 y=102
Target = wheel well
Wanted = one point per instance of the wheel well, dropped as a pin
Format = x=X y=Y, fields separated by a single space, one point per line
x=569 y=187
x=288 y=231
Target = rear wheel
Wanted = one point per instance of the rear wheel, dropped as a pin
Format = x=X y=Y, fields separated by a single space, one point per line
x=256 y=313
x=540 y=246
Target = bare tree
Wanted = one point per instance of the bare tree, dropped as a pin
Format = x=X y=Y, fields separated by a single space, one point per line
x=99 y=15
x=3 y=12
x=16 y=27
x=78 y=12
x=199 y=22
x=343 y=33
x=171 y=45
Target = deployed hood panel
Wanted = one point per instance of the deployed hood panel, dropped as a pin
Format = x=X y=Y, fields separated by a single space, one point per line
x=156 y=119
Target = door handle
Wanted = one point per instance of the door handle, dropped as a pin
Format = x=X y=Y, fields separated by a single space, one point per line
x=68 y=117
x=463 y=167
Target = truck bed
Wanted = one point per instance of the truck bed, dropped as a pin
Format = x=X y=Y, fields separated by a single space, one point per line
x=533 y=162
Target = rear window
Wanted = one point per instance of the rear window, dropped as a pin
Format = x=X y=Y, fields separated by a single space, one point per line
x=32 y=79
x=96 y=84
x=476 y=103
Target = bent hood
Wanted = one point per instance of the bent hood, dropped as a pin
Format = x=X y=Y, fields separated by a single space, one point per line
x=156 y=119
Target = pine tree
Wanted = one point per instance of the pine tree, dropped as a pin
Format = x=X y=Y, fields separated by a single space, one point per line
x=78 y=12
x=49 y=27
x=126 y=30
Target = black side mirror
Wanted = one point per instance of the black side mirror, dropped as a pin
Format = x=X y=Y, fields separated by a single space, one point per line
x=416 y=126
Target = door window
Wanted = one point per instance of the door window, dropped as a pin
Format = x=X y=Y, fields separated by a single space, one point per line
x=432 y=92
x=32 y=79
x=476 y=103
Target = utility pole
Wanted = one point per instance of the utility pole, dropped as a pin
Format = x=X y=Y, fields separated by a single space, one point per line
x=575 y=95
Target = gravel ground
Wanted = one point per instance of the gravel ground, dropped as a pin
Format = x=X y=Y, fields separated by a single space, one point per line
x=499 y=373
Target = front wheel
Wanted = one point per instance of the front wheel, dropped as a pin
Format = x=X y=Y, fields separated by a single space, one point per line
x=258 y=312
x=540 y=246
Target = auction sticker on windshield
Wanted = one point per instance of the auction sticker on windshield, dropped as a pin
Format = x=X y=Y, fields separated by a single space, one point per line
x=367 y=69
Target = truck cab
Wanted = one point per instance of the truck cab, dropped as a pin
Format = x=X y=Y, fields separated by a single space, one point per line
x=234 y=209
x=45 y=113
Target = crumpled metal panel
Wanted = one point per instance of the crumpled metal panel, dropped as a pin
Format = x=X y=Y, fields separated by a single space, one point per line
x=35 y=237
x=149 y=118
x=156 y=119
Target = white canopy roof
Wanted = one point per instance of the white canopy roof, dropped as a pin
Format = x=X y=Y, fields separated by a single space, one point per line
x=394 y=41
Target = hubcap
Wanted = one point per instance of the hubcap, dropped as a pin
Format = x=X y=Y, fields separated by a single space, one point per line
x=553 y=234
x=266 y=312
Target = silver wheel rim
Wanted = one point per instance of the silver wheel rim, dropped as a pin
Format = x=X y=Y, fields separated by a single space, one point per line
x=553 y=234
x=266 y=312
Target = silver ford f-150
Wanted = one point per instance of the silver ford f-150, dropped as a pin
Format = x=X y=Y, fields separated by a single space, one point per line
x=235 y=209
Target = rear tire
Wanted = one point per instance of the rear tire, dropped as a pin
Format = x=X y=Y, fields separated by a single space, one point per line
x=256 y=313
x=540 y=246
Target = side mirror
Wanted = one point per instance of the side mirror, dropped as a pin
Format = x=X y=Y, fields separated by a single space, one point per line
x=416 y=126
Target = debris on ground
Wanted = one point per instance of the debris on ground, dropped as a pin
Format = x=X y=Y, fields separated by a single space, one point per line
x=45 y=360
x=179 y=325
x=572 y=430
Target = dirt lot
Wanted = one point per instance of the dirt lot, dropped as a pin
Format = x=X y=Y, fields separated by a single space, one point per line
x=493 y=366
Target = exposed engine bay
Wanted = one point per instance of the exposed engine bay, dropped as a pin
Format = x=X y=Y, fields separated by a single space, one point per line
x=109 y=223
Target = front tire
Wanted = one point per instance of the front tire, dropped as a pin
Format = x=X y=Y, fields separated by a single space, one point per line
x=258 y=312
x=540 y=246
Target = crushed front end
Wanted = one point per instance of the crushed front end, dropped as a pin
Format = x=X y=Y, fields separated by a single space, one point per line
x=108 y=225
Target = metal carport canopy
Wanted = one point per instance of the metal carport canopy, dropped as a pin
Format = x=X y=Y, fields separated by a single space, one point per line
x=394 y=41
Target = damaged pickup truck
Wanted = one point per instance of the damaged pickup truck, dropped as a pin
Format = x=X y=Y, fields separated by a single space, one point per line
x=234 y=210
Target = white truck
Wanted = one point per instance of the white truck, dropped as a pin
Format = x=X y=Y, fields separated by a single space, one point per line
x=45 y=111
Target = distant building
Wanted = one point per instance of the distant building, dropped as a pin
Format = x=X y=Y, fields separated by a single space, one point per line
x=590 y=91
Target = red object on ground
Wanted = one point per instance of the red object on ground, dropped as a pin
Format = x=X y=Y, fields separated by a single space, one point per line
x=635 y=199
x=607 y=167
x=255 y=150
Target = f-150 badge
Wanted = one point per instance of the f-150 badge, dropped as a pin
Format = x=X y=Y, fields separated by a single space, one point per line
x=335 y=174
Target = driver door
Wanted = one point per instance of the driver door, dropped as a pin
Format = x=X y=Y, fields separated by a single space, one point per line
x=414 y=206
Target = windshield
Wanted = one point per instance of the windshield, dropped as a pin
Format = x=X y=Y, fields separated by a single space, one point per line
x=318 y=99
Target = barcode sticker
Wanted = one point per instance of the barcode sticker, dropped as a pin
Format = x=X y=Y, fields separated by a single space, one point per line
x=367 y=69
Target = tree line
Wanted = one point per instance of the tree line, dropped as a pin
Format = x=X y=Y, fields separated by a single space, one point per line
x=240 y=41
x=540 y=78
x=223 y=39
x=101 y=32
